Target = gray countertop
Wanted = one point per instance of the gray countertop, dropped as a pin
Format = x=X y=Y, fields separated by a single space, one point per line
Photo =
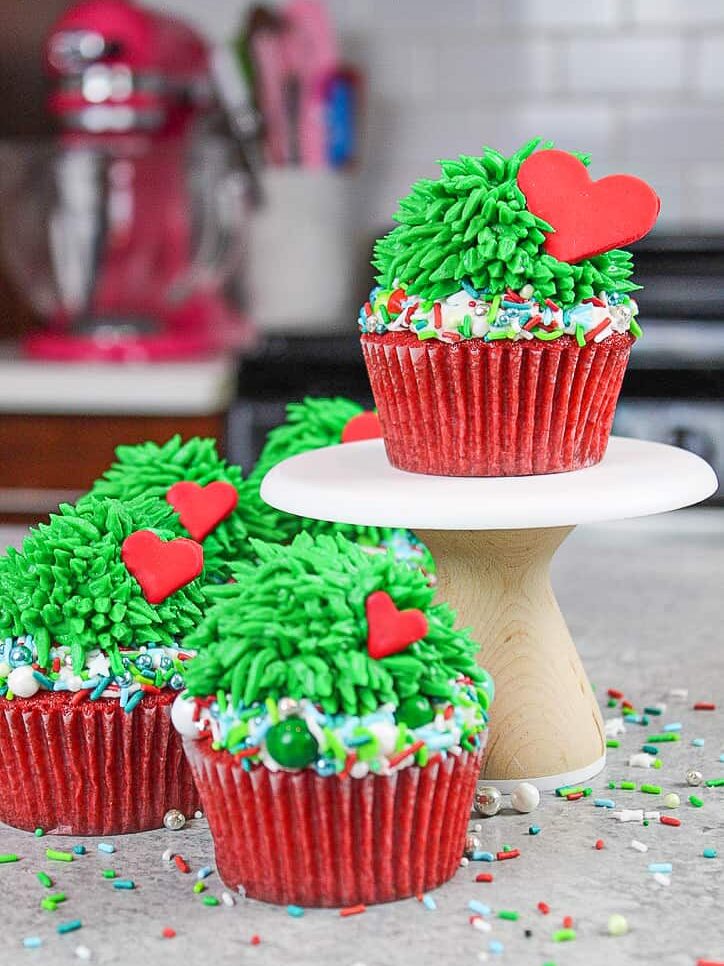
x=645 y=602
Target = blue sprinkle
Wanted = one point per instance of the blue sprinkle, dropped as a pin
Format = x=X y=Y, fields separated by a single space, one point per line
x=709 y=853
x=479 y=907
x=79 y=849
x=204 y=872
x=42 y=679
x=604 y=802
x=483 y=857
x=133 y=701
x=469 y=289
x=32 y=942
x=428 y=902
x=106 y=847
x=721 y=757
x=698 y=742
x=534 y=830
x=295 y=911
x=674 y=726
x=98 y=691
x=495 y=946
x=660 y=867
x=124 y=696
x=123 y=884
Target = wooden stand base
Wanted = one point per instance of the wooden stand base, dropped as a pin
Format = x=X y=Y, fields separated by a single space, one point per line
x=545 y=723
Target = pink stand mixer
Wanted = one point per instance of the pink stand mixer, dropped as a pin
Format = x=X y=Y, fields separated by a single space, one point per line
x=140 y=204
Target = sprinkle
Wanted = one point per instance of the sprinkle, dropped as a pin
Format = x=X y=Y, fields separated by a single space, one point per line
x=629 y=815
x=479 y=907
x=511 y=854
x=58 y=897
x=168 y=932
x=255 y=940
x=167 y=855
x=665 y=736
x=477 y=922
x=109 y=873
x=352 y=910
x=124 y=884
x=428 y=902
x=483 y=857
x=654 y=709
x=79 y=849
x=45 y=880
x=661 y=879
x=509 y=914
x=695 y=801
x=181 y=863
x=660 y=867
x=704 y=706
x=295 y=911
x=199 y=887
x=650 y=749
x=401 y=755
x=651 y=789
x=106 y=847
x=204 y=872
x=48 y=904
x=639 y=846
x=534 y=830
x=574 y=796
x=673 y=726
x=32 y=942
x=484 y=877
x=670 y=820
x=57 y=856
x=544 y=908
x=82 y=952
x=604 y=803
x=563 y=935
x=613 y=743
x=9 y=857
x=709 y=853
x=69 y=926
x=131 y=703
x=210 y=901
x=714 y=782
x=599 y=844
x=628 y=786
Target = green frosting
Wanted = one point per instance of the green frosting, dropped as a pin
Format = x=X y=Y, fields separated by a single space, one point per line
x=472 y=225
x=294 y=625
x=69 y=586
x=149 y=469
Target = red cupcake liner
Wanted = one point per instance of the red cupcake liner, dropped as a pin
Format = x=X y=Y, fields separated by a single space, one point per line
x=90 y=768
x=478 y=408
x=298 y=838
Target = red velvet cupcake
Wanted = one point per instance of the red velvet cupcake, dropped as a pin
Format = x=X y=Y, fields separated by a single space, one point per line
x=331 y=697
x=92 y=611
x=497 y=340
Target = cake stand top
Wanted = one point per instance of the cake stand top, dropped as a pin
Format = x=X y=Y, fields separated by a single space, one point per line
x=354 y=483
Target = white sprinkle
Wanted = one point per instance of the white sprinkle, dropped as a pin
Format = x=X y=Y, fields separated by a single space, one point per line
x=614 y=727
x=652 y=816
x=168 y=855
x=228 y=899
x=82 y=952
x=661 y=878
x=682 y=693
x=639 y=846
x=481 y=925
x=629 y=815
x=641 y=760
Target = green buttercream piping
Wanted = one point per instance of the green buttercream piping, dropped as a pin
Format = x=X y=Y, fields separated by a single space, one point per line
x=68 y=584
x=472 y=224
x=149 y=469
x=294 y=625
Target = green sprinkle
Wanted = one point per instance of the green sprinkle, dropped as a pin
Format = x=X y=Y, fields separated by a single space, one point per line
x=581 y=340
x=564 y=935
x=666 y=736
x=650 y=749
x=199 y=887
x=587 y=792
x=48 y=904
x=58 y=897
x=384 y=313
x=39 y=833
x=45 y=880
x=549 y=336
x=57 y=856
x=431 y=334
x=9 y=857
x=636 y=329
x=651 y=789
x=569 y=790
x=273 y=710
x=612 y=742
x=628 y=786
x=466 y=329
x=611 y=703
x=210 y=901
x=714 y=782
x=709 y=853
x=493 y=310
x=652 y=710
x=70 y=926
x=509 y=915
x=109 y=873
x=695 y=801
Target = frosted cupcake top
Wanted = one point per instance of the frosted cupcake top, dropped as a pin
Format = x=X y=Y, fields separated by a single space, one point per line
x=322 y=656
x=515 y=248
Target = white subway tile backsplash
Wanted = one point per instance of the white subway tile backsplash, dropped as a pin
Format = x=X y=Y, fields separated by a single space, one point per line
x=665 y=13
x=705 y=201
x=624 y=65
x=672 y=134
x=478 y=68
x=709 y=66
x=562 y=14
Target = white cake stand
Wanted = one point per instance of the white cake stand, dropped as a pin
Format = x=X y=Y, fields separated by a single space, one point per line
x=493 y=540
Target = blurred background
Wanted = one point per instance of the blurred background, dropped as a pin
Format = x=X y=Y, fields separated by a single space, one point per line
x=189 y=193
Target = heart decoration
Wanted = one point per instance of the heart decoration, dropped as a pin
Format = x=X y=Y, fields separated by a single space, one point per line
x=161 y=567
x=362 y=426
x=202 y=508
x=390 y=630
x=588 y=217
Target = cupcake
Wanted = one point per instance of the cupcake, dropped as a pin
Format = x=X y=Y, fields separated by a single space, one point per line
x=92 y=613
x=335 y=721
x=313 y=424
x=498 y=336
x=213 y=504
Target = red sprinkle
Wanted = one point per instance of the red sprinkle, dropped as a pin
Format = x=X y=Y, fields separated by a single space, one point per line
x=394 y=302
x=352 y=910
x=513 y=854
x=599 y=844
x=348 y=762
x=56 y=665
x=574 y=796
x=709 y=962
x=532 y=322
x=568 y=922
x=594 y=301
x=670 y=820
x=247 y=752
x=168 y=933
x=368 y=309
x=552 y=305
x=181 y=863
x=150 y=689
x=484 y=877
x=704 y=706
x=512 y=296
x=255 y=940
x=79 y=696
x=613 y=693
x=437 y=315
x=401 y=755
x=544 y=908
x=589 y=336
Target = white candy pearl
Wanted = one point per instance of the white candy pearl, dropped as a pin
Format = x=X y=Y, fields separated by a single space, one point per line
x=22 y=683
x=182 y=712
x=525 y=797
x=386 y=734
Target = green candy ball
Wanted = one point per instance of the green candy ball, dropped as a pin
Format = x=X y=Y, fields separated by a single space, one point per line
x=291 y=744
x=415 y=711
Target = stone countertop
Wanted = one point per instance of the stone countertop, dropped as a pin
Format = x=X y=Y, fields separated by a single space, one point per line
x=645 y=603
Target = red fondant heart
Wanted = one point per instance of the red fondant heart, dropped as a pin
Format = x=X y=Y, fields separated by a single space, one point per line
x=161 y=567
x=390 y=630
x=362 y=426
x=588 y=217
x=202 y=508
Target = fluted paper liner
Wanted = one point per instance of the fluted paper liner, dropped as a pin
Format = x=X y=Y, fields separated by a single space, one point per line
x=479 y=408
x=91 y=769
x=302 y=839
